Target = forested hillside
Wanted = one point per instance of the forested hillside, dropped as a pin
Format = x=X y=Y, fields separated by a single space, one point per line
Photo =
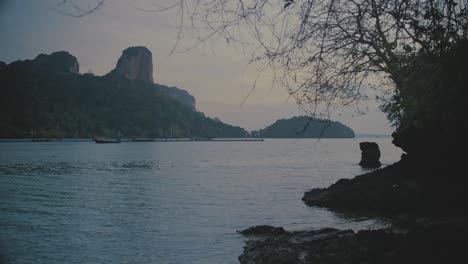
x=48 y=97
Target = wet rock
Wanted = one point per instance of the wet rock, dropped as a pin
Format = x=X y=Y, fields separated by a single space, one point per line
x=262 y=230
x=385 y=191
x=400 y=188
x=370 y=155
x=429 y=244
x=283 y=248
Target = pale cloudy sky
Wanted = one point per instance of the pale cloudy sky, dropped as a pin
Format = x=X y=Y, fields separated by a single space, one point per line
x=217 y=74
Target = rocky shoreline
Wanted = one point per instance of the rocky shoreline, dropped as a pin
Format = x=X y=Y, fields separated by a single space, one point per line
x=401 y=188
x=427 y=212
x=435 y=243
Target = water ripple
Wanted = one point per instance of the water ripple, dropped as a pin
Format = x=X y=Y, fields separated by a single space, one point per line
x=163 y=203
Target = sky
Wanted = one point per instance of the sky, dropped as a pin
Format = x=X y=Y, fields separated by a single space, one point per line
x=218 y=75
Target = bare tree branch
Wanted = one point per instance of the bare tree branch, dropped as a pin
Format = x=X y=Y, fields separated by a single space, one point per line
x=71 y=8
x=324 y=51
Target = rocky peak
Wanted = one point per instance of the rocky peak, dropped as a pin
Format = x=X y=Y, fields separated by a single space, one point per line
x=60 y=61
x=136 y=63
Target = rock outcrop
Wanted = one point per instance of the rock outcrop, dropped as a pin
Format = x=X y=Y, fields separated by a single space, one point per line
x=429 y=244
x=370 y=155
x=60 y=62
x=396 y=189
x=262 y=230
x=136 y=63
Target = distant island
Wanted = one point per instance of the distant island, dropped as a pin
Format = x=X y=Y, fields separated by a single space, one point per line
x=305 y=127
x=48 y=97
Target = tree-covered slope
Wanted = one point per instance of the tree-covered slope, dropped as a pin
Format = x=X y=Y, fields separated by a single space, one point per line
x=304 y=127
x=62 y=103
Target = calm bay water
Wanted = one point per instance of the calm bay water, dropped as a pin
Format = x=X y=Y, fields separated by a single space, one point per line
x=164 y=202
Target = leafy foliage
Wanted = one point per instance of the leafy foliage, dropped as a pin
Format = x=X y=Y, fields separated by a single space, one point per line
x=431 y=85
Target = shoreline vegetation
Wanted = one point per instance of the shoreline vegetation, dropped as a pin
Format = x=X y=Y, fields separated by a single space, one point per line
x=357 y=136
x=57 y=140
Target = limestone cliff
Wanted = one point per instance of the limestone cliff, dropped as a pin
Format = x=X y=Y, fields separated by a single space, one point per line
x=136 y=63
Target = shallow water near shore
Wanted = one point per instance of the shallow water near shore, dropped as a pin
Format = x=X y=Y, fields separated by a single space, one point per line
x=80 y=202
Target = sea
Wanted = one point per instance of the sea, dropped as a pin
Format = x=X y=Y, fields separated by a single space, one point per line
x=166 y=202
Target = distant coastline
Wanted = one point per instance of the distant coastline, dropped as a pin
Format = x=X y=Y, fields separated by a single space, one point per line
x=305 y=127
x=54 y=140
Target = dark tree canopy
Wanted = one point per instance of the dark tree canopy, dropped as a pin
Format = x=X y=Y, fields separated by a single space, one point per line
x=304 y=127
x=46 y=98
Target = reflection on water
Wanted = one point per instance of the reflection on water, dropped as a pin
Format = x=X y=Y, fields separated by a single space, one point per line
x=164 y=203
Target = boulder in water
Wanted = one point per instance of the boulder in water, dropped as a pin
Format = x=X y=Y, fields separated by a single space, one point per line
x=262 y=230
x=370 y=155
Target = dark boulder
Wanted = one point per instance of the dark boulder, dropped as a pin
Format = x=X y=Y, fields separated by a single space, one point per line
x=262 y=230
x=400 y=188
x=370 y=155
x=434 y=243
